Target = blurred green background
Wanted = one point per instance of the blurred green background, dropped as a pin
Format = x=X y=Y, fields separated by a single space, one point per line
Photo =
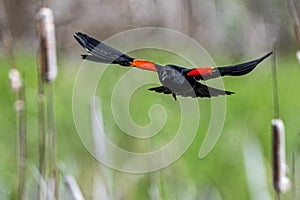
x=232 y=32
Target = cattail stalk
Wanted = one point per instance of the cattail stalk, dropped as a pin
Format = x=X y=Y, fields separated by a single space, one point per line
x=73 y=188
x=100 y=150
x=293 y=174
x=154 y=188
x=42 y=139
x=16 y=84
x=281 y=182
x=22 y=141
x=70 y=183
x=52 y=139
x=41 y=130
x=255 y=170
x=41 y=182
x=295 y=19
x=47 y=71
x=275 y=84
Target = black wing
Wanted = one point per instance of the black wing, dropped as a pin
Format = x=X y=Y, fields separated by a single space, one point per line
x=101 y=52
x=235 y=70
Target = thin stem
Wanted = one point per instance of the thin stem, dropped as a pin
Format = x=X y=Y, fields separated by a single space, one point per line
x=293 y=177
x=52 y=144
x=22 y=149
x=42 y=132
x=72 y=187
x=43 y=3
x=7 y=38
x=275 y=85
x=17 y=86
x=278 y=196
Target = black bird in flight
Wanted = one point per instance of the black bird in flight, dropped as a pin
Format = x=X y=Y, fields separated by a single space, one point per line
x=175 y=80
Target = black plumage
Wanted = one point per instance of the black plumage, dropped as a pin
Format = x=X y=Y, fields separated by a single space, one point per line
x=175 y=80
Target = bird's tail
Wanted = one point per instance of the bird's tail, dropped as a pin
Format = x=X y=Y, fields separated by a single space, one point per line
x=241 y=69
x=101 y=52
x=201 y=90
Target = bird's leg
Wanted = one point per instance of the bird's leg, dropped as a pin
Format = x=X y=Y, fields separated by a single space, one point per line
x=174 y=96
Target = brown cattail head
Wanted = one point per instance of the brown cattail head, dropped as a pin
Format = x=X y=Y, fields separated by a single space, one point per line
x=47 y=49
x=15 y=79
x=281 y=182
x=298 y=56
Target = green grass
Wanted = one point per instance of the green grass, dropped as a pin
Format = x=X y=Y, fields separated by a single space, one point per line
x=249 y=114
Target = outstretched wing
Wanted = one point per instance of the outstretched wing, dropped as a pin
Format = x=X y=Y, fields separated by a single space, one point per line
x=103 y=53
x=235 y=70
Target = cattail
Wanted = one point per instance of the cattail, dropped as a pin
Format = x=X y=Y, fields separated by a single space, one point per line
x=281 y=182
x=298 y=56
x=15 y=79
x=47 y=71
x=46 y=33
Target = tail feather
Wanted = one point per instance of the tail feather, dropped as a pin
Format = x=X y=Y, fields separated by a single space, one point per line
x=202 y=90
x=101 y=52
x=206 y=91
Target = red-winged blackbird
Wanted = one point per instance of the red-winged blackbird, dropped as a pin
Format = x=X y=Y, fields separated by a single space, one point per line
x=175 y=80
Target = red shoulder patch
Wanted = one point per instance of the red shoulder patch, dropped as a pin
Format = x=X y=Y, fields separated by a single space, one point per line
x=143 y=64
x=200 y=71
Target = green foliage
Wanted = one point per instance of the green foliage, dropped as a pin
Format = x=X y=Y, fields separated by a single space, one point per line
x=249 y=115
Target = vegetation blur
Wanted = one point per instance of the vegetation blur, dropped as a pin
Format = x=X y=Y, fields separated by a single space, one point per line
x=238 y=167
